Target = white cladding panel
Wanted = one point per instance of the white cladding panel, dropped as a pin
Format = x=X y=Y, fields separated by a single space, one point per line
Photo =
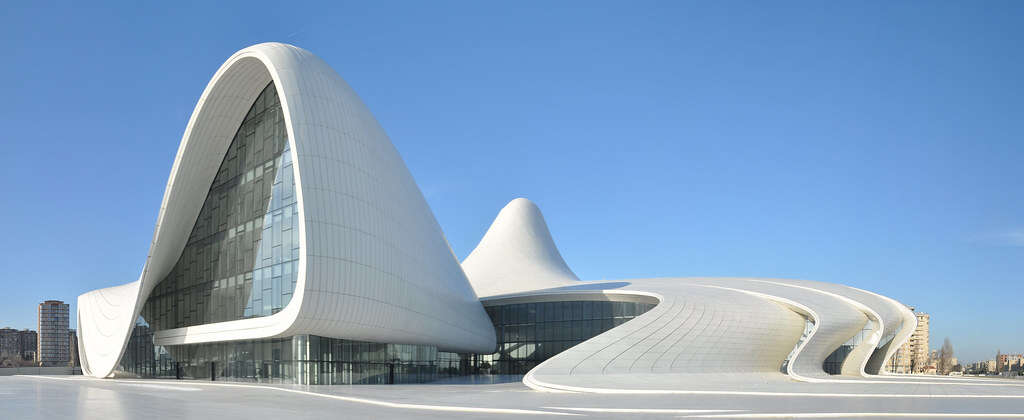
x=375 y=264
x=693 y=330
x=713 y=331
x=703 y=330
x=379 y=267
x=517 y=253
x=838 y=321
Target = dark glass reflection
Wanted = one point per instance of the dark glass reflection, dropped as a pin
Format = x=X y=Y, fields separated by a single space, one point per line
x=241 y=259
x=530 y=333
x=301 y=359
x=833 y=364
x=143 y=358
x=527 y=334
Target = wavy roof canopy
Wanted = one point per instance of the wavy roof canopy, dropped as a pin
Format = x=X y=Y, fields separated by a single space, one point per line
x=740 y=330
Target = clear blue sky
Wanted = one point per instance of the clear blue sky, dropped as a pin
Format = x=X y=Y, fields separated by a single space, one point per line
x=873 y=144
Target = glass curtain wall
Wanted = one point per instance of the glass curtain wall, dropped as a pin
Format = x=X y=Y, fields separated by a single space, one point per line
x=530 y=333
x=301 y=359
x=834 y=362
x=241 y=258
x=334 y=361
x=143 y=358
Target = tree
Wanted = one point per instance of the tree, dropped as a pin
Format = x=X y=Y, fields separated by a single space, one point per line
x=945 y=364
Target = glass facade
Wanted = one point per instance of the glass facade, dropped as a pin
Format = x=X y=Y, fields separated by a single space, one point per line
x=241 y=258
x=834 y=362
x=300 y=359
x=530 y=333
x=527 y=334
x=891 y=335
x=145 y=359
x=323 y=360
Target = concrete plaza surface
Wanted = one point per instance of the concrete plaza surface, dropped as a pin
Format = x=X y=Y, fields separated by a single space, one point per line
x=77 y=397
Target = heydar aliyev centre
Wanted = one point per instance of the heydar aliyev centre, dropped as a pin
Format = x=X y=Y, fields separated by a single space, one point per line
x=293 y=246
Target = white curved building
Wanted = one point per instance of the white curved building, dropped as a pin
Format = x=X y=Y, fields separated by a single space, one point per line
x=691 y=332
x=288 y=212
x=293 y=245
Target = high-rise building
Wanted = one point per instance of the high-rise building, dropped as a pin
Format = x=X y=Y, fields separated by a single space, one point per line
x=919 y=354
x=901 y=361
x=54 y=347
x=913 y=356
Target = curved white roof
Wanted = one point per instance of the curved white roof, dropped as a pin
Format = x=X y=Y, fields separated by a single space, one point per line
x=374 y=263
x=708 y=333
x=517 y=253
x=734 y=329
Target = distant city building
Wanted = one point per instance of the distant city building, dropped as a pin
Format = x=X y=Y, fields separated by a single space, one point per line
x=976 y=367
x=1013 y=361
x=913 y=356
x=1008 y=362
x=54 y=347
x=983 y=367
x=29 y=345
x=901 y=362
x=73 y=346
x=919 y=354
x=17 y=347
x=933 y=363
x=1003 y=364
x=10 y=347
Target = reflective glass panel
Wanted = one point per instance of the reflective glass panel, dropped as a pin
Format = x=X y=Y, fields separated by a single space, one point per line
x=233 y=266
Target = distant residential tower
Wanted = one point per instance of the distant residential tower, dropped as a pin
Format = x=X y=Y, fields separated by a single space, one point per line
x=919 y=354
x=54 y=347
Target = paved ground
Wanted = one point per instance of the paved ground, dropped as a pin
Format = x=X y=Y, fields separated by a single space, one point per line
x=71 y=397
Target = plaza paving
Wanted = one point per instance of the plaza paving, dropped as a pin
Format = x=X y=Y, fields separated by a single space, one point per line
x=77 y=397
